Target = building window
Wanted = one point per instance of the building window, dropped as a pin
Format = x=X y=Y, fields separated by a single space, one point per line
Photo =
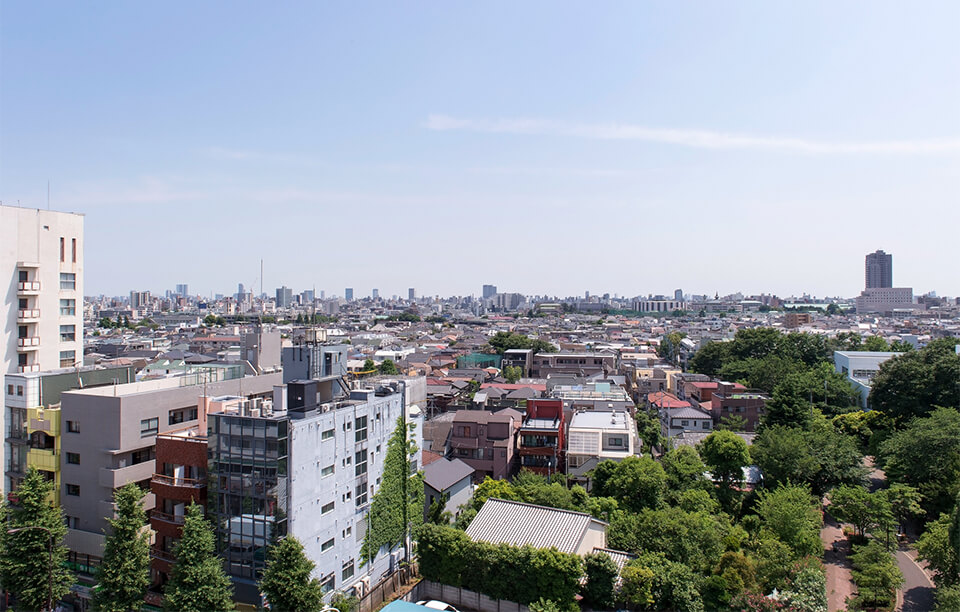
x=72 y=522
x=73 y=489
x=326 y=545
x=616 y=441
x=142 y=455
x=68 y=358
x=149 y=427
x=361 y=494
x=68 y=333
x=361 y=429
x=348 y=570
x=183 y=414
x=68 y=280
x=68 y=308
x=63 y=242
x=73 y=458
x=327 y=508
x=327 y=471
x=9 y=389
x=361 y=461
x=327 y=584
x=327 y=434
x=73 y=250
x=73 y=426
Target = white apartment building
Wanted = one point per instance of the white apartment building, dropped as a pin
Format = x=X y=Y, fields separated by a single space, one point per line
x=41 y=256
x=860 y=367
x=599 y=435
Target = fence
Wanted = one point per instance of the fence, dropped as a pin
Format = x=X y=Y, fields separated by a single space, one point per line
x=384 y=589
x=460 y=598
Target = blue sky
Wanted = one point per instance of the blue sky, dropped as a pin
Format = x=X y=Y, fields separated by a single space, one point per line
x=544 y=147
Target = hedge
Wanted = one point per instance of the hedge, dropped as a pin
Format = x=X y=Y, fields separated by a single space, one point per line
x=500 y=571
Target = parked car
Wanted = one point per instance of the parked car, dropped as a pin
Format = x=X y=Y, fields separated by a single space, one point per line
x=437 y=605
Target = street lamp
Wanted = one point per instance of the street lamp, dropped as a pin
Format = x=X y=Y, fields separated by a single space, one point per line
x=50 y=548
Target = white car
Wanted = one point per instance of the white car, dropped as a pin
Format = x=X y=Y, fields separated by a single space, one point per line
x=437 y=605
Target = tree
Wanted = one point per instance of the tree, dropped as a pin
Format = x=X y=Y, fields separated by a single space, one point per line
x=906 y=458
x=913 y=383
x=904 y=502
x=343 y=602
x=397 y=507
x=710 y=358
x=684 y=470
x=512 y=373
x=792 y=515
x=936 y=548
x=695 y=539
x=498 y=489
x=388 y=367
x=807 y=591
x=34 y=528
x=369 y=365
x=197 y=582
x=635 y=482
x=601 y=573
x=876 y=575
x=286 y=580
x=864 y=510
x=875 y=344
x=726 y=454
x=665 y=585
x=124 y=574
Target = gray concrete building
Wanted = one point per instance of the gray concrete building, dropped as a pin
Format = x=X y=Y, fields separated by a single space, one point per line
x=108 y=440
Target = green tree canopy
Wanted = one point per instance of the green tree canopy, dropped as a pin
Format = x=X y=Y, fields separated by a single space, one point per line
x=25 y=563
x=503 y=341
x=684 y=470
x=600 y=587
x=914 y=383
x=512 y=373
x=726 y=454
x=876 y=575
x=197 y=582
x=388 y=367
x=635 y=482
x=286 y=580
x=906 y=458
x=791 y=514
x=124 y=575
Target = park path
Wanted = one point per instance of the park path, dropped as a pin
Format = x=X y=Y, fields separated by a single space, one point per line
x=837 y=566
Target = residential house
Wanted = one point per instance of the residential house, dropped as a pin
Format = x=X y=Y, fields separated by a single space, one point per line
x=599 y=435
x=733 y=400
x=518 y=524
x=485 y=441
x=541 y=441
x=449 y=482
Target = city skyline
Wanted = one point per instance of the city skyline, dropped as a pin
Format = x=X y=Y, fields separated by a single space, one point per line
x=749 y=148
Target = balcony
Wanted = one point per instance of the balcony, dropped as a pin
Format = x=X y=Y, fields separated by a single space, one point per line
x=28 y=344
x=174 y=481
x=173 y=519
x=28 y=288
x=25 y=369
x=26 y=315
x=117 y=477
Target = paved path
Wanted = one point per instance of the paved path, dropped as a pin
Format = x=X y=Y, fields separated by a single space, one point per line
x=917 y=592
x=837 y=566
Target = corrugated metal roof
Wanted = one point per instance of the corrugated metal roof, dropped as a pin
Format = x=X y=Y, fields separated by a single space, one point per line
x=508 y=522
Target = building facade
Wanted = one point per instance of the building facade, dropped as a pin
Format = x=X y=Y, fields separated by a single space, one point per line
x=485 y=441
x=599 y=435
x=41 y=256
x=878 y=273
x=541 y=442
x=310 y=471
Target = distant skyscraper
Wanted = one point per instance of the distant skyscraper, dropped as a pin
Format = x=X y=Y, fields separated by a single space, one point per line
x=376 y=294
x=139 y=299
x=323 y=294
x=879 y=270
x=411 y=294
x=348 y=294
x=284 y=297
x=489 y=291
x=183 y=290
x=678 y=295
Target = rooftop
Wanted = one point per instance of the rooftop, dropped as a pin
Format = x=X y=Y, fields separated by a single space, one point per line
x=518 y=524
x=600 y=419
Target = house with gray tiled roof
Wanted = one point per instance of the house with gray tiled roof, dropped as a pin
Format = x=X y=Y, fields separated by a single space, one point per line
x=519 y=524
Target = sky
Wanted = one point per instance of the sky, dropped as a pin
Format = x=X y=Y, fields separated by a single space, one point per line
x=548 y=148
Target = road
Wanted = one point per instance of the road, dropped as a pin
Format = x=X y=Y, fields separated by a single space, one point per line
x=917 y=592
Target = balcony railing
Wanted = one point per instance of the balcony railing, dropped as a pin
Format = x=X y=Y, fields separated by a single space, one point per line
x=34 y=367
x=167 y=518
x=174 y=481
x=28 y=314
x=28 y=287
x=163 y=555
x=28 y=344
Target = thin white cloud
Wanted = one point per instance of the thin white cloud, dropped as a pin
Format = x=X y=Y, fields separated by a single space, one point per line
x=698 y=139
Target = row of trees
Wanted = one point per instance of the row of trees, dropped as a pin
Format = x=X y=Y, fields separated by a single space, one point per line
x=503 y=341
